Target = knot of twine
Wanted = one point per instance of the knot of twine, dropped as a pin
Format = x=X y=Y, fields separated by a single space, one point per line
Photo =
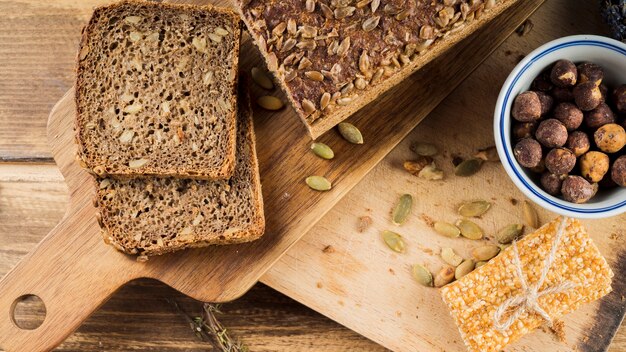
x=528 y=300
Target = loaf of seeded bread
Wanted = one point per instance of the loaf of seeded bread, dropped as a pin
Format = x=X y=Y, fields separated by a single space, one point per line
x=156 y=91
x=152 y=216
x=332 y=57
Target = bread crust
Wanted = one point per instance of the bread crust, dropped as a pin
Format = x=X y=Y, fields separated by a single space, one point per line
x=226 y=169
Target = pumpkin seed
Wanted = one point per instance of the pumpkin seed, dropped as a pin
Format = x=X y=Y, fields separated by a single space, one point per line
x=449 y=256
x=261 y=78
x=394 y=241
x=446 y=229
x=350 y=133
x=509 y=233
x=424 y=149
x=322 y=150
x=479 y=264
x=468 y=167
x=474 y=209
x=318 y=183
x=269 y=102
x=488 y=154
x=422 y=275
x=469 y=229
x=402 y=210
x=464 y=268
x=485 y=252
x=431 y=172
x=444 y=276
x=530 y=215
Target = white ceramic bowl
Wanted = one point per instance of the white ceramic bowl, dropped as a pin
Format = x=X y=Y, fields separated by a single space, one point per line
x=606 y=52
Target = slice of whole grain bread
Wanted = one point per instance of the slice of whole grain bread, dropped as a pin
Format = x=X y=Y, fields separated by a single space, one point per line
x=152 y=216
x=156 y=91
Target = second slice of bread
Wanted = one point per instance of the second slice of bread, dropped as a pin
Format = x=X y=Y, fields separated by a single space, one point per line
x=156 y=91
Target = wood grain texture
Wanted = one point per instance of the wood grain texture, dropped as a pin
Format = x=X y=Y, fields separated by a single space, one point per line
x=362 y=278
x=61 y=267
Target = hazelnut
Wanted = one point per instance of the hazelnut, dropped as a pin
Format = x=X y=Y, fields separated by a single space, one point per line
x=590 y=72
x=576 y=189
x=542 y=82
x=560 y=161
x=569 y=115
x=551 y=133
x=599 y=116
x=619 y=98
x=551 y=183
x=610 y=138
x=564 y=73
x=561 y=94
x=604 y=90
x=526 y=107
x=546 y=102
x=528 y=152
x=578 y=142
x=540 y=168
x=594 y=165
x=524 y=129
x=618 y=171
x=587 y=96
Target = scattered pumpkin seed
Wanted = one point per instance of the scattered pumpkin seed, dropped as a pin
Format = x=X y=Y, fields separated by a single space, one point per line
x=488 y=154
x=474 y=209
x=446 y=229
x=322 y=150
x=468 y=167
x=469 y=229
x=269 y=102
x=479 y=264
x=402 y=210
x=350 y=133
x=394 y=241
x=422 y=275
x=444 y=276
x=414 y=167
x=424 y=149
x=449 y=256
x=509 y=233
x=485 y=252
x=530 y=215
x=318 y=183
x=431 y=172
x=464 y=268
x=260 y=77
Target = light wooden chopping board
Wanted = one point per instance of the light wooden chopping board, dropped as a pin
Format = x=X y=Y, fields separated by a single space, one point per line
x=363 y=285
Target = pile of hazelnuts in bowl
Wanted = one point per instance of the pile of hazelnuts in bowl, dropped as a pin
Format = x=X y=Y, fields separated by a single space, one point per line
x=569 y=129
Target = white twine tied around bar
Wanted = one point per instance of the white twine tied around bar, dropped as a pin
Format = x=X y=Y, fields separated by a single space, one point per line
x=528 y=300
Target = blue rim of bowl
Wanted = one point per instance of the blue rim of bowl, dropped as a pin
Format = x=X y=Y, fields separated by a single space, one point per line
x=502 y=129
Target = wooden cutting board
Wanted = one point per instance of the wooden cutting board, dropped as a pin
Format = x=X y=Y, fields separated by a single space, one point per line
x=73 y=272
x=361 y=284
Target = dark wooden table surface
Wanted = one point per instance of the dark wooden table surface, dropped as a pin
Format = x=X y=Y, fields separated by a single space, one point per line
x=38 y=40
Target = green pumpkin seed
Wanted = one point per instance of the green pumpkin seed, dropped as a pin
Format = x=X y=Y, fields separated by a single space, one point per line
x=468 y=167
x=485 y=252
x=350 y=133
x=322 y=150
x=509 y=233
x=402 y=210
x=269 y=102
x=469 y=229
x=474 y=209
x=422 y=275
x=424 y=149
x=260 y=77
x=318 y=183
x=444 y=277
x=394 y=241
x=464 y=268
x=446 y=229
x=479 y=264
x=449 y=256
x=530 y=215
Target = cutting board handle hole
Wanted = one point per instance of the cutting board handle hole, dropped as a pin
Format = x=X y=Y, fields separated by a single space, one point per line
x=28 y=312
